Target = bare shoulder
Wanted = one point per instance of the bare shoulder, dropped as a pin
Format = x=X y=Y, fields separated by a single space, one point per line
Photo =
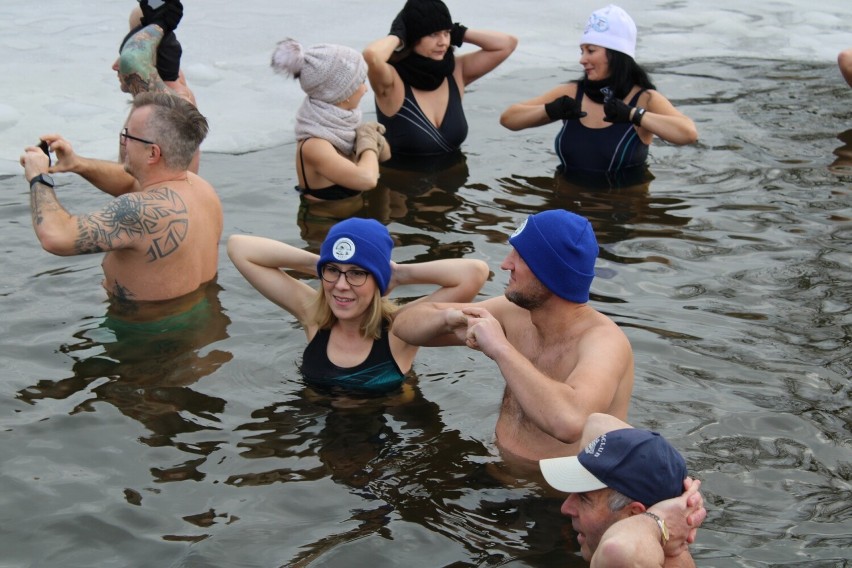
x=598 y=330
x=508 y=314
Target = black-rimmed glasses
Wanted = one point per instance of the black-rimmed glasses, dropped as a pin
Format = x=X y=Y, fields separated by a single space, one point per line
x=355 y=276
x=124 y=136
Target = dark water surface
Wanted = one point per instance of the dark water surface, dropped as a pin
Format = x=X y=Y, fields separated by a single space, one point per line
x=729 y=271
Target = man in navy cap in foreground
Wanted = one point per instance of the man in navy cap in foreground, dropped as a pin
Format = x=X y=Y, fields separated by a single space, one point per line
x=631 y=502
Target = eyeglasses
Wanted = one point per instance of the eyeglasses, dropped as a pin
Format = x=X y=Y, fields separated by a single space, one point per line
x=355 y=276
x=122 y=138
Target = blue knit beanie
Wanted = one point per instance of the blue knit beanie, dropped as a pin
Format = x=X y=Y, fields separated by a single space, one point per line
x=560 y=248
x=363 y=242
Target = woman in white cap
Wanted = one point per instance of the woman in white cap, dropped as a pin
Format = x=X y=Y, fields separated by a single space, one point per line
x=347 y=320
x=610 y=115
x=337 y=156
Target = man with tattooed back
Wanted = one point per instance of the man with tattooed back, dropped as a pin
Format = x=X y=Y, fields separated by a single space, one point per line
x=161 y=239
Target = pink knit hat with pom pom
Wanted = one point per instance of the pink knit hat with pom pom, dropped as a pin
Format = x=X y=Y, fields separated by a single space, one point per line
x=326 y=72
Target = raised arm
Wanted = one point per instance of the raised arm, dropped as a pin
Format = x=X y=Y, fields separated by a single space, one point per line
x=495 y=47
x=261 y=260
x=107 y=176
x=128 y=221
x=459 y=279
x=383 y=77
x=636 y=541
x=137 y=63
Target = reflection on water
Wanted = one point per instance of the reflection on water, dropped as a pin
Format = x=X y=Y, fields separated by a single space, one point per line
x=728 y=270
x=144 y=360
x=404 y=464
x=843 y=164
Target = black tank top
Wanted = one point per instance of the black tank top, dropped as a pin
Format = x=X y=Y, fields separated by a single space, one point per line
x=377 y=374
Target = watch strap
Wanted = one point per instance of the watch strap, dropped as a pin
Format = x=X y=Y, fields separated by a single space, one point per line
x=42 y=179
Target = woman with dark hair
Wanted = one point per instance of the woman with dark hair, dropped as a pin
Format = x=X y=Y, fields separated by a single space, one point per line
x=419 y=82
x=610 y=115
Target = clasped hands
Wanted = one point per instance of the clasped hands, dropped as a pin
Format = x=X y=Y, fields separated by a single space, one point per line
x=477 y=329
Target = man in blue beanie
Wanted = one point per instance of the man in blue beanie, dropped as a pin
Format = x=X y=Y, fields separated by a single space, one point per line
x=561 y=359
x=630 y=500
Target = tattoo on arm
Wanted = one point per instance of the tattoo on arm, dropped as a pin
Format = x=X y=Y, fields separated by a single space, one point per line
x=137 y=62
x=43 y=202
x=157 y=218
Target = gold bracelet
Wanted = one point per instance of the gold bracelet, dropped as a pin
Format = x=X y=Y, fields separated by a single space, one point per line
x=664 y=530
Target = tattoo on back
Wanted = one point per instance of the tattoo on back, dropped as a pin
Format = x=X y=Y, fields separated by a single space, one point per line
x=158 y=215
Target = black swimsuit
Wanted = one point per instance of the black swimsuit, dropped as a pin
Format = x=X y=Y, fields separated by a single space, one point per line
x=377 y=374
x=330 y=193
x=609 y=150
x=410 y=132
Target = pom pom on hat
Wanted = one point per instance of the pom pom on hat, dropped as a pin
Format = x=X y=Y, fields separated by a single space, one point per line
x=326 y=72
x=424 y=17
x=560 y=248
x=362 y=242
x=611 y=27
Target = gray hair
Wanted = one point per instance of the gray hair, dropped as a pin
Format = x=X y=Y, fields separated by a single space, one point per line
x=617 y=501
x=176 y=126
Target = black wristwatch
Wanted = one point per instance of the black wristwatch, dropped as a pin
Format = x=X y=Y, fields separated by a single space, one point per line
x=43 y=179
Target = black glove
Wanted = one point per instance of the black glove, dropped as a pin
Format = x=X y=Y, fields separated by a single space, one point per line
x=168 y=57
x=167 y=16
x=616 y=110
x=457 y=34
x=398 y=28
x=563 y=108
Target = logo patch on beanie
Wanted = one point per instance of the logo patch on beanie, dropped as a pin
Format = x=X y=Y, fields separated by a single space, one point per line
x=520 y=229
x=343 y=249
x=597 y=23
x=596 y=447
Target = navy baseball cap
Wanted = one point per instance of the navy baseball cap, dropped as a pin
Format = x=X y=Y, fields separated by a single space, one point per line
x=637 y=463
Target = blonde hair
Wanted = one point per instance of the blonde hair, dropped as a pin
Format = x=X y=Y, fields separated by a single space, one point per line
x=381 y=311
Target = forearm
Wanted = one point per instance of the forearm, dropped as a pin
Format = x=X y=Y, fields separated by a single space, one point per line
x=549 y=403
x=423 y=324
x=491 y=41
x=675 y=129
x=246 y=251
x=53 y=225
x=107 y=176
x=460 y=277
x=367 y=176
x=524 y=115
